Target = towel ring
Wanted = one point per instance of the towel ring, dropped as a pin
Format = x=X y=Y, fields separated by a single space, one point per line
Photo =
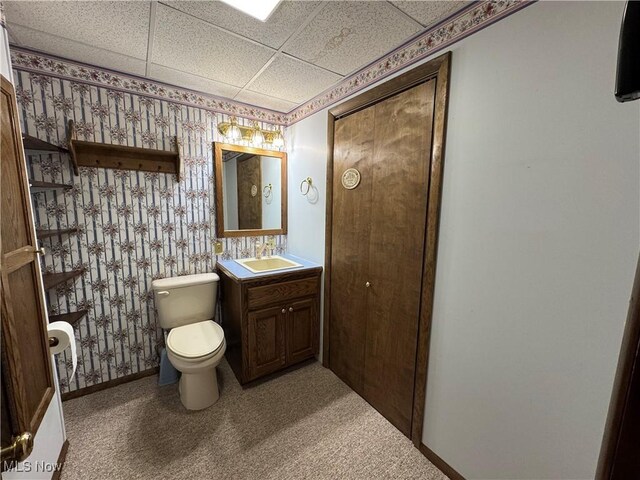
x=267 y=190
x=309 y=183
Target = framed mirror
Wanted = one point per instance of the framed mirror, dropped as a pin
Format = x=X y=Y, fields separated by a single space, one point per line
x=251 y=191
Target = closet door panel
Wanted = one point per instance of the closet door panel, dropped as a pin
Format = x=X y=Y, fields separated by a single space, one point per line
x=353 y=148
x=400 y=171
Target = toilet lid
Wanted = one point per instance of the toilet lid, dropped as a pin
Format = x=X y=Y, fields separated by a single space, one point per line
x=196 y=339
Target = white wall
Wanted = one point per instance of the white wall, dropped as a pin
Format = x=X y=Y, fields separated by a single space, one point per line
x=538 y=241
x=5 y=57
x=271 y=171
x=230 y=194
x=51 y=434
x=307 y=157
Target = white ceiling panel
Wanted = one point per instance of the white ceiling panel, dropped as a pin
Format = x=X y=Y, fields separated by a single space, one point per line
x=347 y=35
x=76 y=51
x=292 y=80
x=430 y=13
x=121 y=27
x=194 y=82
x=280 y=25
x=185 y=43
x=265 y=101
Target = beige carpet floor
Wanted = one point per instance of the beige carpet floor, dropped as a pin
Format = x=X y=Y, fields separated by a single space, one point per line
x=304 y=424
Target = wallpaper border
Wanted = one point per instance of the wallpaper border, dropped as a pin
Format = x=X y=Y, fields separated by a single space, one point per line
x=466 y=22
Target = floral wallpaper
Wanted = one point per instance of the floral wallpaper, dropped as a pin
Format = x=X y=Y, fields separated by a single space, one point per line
x=133 y=226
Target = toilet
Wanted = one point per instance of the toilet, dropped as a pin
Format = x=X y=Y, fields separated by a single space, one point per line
x=195 y=345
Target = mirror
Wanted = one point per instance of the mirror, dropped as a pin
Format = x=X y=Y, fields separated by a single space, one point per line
x=251 y=191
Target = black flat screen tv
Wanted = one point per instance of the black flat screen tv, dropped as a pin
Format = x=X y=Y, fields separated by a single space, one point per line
x=628 y=76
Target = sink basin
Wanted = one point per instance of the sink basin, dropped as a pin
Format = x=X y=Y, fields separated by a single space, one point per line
x=267 y=264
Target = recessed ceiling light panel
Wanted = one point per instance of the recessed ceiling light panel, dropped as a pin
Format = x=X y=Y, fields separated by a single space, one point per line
x=260 y=9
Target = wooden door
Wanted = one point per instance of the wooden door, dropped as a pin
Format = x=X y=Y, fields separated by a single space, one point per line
x=266 y=340
x=378 y=239
x=27 y=382
x=353 y=148
x=302 y=334
x=400 y=174
x=249 y=198
x=620 y=450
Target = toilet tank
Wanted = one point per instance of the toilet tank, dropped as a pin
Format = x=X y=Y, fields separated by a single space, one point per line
x=186 y=299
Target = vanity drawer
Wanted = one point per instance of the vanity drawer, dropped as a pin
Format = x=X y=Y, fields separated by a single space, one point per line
x=280 y=292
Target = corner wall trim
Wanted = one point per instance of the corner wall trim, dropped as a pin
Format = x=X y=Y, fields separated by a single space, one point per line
x=111 y=383
x=61 y=459
x=447 y=469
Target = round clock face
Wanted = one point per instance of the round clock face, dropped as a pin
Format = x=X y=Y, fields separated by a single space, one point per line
x=350 y=178
x=254 y=190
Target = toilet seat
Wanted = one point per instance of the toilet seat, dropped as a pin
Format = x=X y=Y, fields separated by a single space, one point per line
x=196 y=340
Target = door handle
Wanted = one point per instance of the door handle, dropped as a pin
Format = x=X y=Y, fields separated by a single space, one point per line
x=368 y=284
x=41 y=251
x=20 y=448
x=291 y=309
x=284 y=310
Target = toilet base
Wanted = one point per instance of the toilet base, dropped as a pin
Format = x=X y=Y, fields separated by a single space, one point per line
x=199 y=390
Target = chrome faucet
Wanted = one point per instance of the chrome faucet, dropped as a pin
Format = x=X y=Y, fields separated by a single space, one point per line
x=260 y=250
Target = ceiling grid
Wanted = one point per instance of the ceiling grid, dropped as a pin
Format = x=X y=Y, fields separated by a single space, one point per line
x=307 y=55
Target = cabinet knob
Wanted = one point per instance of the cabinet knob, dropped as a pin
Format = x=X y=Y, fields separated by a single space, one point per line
x=284 y=310
x=291 y=309
x=368 y=284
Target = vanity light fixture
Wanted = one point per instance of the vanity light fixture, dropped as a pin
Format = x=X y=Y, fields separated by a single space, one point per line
x=233 y=133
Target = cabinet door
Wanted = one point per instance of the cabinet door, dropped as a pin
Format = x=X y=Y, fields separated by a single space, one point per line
x=266 y=341
x=302 y=330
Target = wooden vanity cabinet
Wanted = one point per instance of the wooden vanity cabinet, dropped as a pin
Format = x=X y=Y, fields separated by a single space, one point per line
x=270 y=322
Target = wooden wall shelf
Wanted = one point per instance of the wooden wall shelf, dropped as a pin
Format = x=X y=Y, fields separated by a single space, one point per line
x=104 y=155
x=37 y=145
x=52 y=280
x=37 y=186
x=44 y=233
x=71 y=317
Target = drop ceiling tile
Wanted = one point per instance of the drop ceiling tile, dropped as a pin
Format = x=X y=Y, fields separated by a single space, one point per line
x=345 y=36
x=185 y=43
x=288 y=16
x=79 y=52
x=430 y=13
x=265 y=101
x=187 y=80
x=293 y=80
x=121 y=27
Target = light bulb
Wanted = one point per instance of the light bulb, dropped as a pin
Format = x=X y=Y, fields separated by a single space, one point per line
x=257 y=138
x=278 y=141
x=234 y=133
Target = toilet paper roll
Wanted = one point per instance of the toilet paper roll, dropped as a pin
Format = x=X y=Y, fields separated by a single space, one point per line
x=63 y=331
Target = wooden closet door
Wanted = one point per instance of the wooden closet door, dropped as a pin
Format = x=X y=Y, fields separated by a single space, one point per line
x=353 y=148
x=27 y=382
x=249 y=205
x=401 y=162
